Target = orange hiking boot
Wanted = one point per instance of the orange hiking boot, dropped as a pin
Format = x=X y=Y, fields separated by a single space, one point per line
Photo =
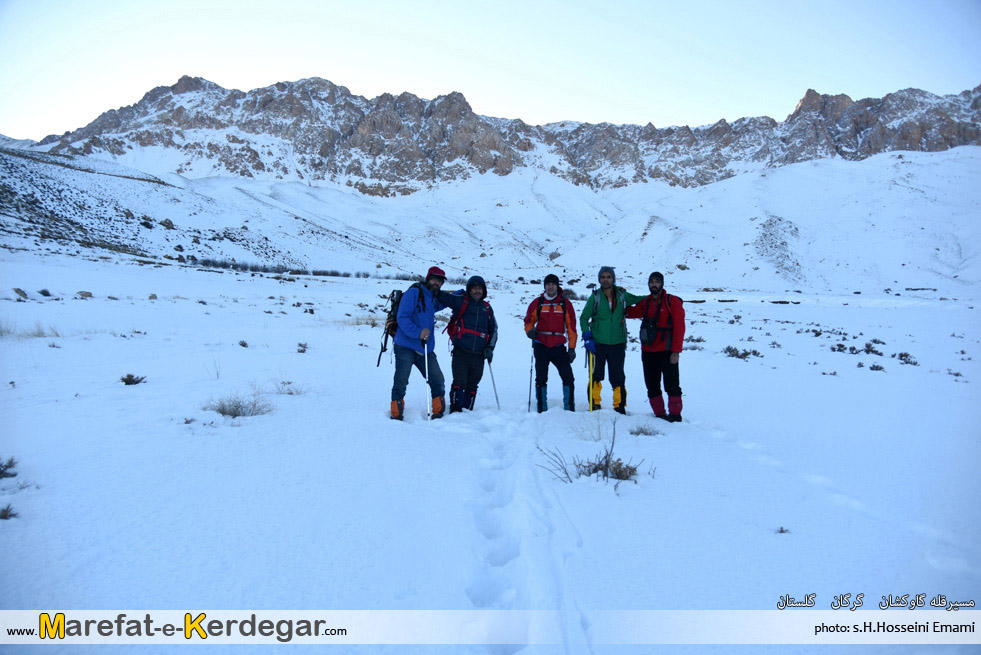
x=439 y=406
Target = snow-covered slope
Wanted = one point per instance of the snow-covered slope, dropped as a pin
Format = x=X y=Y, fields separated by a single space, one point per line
x=892 y=221
x=8 y=142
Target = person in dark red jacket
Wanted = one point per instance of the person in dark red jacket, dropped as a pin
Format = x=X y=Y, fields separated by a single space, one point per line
x=550 y=323
x=662 y=335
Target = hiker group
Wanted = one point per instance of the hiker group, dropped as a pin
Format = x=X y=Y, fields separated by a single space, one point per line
x=550 y=324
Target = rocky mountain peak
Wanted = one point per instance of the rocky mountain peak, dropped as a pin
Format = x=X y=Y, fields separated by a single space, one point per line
x=828 y=107
x=187 y=84
x=314 y=129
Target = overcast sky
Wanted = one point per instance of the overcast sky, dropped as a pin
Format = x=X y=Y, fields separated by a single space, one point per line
x=62 y=63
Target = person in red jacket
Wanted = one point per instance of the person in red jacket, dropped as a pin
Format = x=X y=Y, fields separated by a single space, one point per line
x=550 y=320
x=662 y=335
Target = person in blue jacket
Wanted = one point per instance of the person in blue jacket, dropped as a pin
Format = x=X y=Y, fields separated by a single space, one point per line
x=414 y=342
x=473 y=331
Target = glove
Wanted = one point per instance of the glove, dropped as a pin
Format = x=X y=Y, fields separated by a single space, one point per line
x=572 y=355
x=588 y=343
x=489 y=354
x=532 y=333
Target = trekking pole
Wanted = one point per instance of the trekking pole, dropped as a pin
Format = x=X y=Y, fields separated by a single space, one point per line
x=494 y=384
x=425 y=374
x=530 y=367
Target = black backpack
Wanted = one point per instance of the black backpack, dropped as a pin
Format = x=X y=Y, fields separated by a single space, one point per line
x=391 y=319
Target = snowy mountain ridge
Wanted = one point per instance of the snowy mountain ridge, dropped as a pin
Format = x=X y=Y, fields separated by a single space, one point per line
x=314 y=130
x=892 y=221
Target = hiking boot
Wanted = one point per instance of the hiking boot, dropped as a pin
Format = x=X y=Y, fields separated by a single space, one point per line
x=657 y=406
x=439 y=407
x=596 y=393
x=398 y=409
x=568 y=398
x=674 y=408
x=456 y=399
x=674 y=418
x=541 y=394
x=619 y=400
x=470 y=400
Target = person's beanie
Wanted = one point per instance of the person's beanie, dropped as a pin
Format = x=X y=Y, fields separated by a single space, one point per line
x=435 y=271
x=607 y=269
x=656 y=276
x=551 y=277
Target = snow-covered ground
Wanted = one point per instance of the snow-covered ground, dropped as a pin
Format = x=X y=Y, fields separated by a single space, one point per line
x=800 y=470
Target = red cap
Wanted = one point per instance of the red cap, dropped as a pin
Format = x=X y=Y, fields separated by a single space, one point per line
x=435 y=271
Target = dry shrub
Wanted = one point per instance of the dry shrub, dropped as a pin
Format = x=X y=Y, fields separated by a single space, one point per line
x=235 y=405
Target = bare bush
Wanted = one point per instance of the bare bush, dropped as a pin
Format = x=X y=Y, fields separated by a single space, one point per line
x=589 y=430
x=361 y=319
x=870 y=349
x=235 y=405
x=130 y=379
x=906 y=358
x=733 y=351
x=557 y=464
x=7 y=468
x=287 y=388
x=38 y=332
x=603 y=464
x=644 y=430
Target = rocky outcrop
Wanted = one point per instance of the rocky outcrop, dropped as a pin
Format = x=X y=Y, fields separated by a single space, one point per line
x=314 y=129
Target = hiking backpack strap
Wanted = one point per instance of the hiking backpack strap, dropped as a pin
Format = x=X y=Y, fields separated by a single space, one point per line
x=455 y=327
x=465 y=330
x=456 y=323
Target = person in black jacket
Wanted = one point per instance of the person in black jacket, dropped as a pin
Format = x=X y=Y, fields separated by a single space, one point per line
x=473 y=331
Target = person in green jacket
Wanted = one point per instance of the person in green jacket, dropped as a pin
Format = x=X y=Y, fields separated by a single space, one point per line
x=604 y=335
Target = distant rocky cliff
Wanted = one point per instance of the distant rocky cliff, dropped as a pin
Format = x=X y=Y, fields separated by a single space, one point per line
x=315 y=130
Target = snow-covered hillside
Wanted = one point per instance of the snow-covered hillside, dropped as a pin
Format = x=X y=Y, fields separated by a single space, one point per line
x=893 y=221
